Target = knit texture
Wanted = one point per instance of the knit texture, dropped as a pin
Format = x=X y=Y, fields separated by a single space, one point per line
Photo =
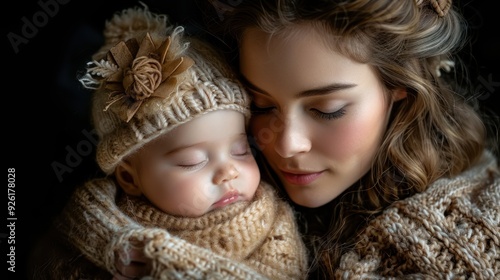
x=148 y=78
x=97 y=229
x=450 y=231
x=261 y=234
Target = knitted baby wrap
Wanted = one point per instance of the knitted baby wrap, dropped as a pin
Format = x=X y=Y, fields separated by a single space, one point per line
x=253 y=240
x=261 y=233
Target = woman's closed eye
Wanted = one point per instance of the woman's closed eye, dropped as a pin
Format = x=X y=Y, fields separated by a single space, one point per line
x=329 y=116
x=258 y=110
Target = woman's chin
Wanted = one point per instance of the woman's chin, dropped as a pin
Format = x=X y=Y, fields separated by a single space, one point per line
x=308 y=200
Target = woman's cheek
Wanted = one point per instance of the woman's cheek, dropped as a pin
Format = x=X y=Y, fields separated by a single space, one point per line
x=355 y=137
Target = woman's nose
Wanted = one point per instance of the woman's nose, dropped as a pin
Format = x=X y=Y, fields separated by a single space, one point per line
x=292 y=139
x=226 y=172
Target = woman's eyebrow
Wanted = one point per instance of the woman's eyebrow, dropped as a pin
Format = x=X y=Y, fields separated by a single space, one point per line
x=322 y=90
x=251 y=86
x=331 y=88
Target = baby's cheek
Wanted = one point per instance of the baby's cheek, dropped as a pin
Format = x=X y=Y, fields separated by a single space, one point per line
x=186 y=199
x=194 y=191
x=251 y=179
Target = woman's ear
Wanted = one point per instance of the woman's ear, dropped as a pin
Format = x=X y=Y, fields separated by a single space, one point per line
x=398 y=94
x=126 y=176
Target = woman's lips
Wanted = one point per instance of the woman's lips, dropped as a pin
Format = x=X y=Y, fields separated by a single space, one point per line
x=228 y=198
x=301 y=178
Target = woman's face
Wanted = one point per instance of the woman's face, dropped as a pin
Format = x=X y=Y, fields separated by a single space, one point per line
x=319 y=117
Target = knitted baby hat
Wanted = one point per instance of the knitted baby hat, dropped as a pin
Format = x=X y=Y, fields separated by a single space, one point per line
x=149 y=78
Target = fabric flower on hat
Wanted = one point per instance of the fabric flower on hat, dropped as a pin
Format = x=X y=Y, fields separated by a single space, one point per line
x=134 y=72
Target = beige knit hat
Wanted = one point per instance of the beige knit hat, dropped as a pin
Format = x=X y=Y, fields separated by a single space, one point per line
x=148 y=79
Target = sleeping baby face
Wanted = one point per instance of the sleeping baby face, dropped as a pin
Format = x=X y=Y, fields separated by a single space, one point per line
x=202 y=165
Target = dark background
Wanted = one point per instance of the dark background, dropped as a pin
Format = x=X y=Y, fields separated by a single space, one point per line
x=45 y=110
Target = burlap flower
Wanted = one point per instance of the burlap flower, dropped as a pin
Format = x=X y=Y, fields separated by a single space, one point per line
x=134 y=72
x=441 y=7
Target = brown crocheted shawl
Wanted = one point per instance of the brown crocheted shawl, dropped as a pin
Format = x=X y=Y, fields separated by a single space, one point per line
x=450 y=231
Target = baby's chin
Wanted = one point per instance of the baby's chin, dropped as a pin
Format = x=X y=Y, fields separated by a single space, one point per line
x=228 y=210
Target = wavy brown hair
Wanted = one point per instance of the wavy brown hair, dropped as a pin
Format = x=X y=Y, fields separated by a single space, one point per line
x=434 y=132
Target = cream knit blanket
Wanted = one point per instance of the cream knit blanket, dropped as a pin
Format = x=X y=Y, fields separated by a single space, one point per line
x=261 y=233
x=252 y=240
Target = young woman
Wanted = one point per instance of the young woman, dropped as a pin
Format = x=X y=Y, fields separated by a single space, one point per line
x=357 y=118
x=359 y=121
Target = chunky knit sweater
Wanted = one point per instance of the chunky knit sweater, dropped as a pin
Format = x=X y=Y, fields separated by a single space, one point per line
x=450 y=231
x=246 y=240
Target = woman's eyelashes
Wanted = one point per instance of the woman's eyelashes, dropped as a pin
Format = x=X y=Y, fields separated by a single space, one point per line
x=260 y=110
x=257 y=110
x=329 y=116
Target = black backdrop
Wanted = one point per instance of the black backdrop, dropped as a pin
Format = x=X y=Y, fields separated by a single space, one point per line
x=45 y=110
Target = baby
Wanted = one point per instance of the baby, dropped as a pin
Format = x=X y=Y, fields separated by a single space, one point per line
x=171 y=121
